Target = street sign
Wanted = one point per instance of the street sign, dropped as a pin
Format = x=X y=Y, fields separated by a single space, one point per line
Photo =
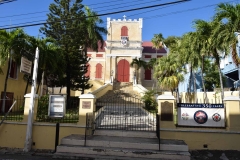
x=26 y=66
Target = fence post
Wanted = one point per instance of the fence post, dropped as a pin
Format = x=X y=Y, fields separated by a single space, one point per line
x=26 y=107
x=166 y=104
x=86 y=105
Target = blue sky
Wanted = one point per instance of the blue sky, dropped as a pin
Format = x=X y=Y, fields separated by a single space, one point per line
x=172 y=20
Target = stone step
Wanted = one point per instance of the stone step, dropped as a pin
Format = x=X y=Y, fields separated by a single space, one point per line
x=125 y=142
x=122 y=133
x=118 y=153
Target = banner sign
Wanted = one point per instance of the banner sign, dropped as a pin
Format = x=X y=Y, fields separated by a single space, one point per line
x=195 y=114
x=26 y=66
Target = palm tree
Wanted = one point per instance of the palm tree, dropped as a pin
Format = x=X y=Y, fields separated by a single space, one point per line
x=138 y=63
x=157 y=42
x=10 y=47
x=218 y=46
x=49 y=56
x=228 y=16
x=190 y=56
x=168 y=72
x=93 y=32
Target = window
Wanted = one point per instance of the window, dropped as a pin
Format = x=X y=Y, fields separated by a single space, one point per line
x=159 y=56
x=89 y=55
x=124 y=31
x=148 y=56
x=98 y=71
x=13 y=70
x=148 y=74
x=88 y=71
x=99 y=55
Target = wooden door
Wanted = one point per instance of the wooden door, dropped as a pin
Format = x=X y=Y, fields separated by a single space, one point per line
x=8 y=101
x=123 y=71
x=98 y=71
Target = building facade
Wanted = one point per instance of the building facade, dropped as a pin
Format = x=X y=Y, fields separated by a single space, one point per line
x=123 y=44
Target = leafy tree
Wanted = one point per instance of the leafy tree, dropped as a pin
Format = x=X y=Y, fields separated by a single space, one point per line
x=70 y=28
x=212 y=78
x=11 y=44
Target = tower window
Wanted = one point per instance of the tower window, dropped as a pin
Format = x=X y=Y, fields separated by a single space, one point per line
x=124 y=31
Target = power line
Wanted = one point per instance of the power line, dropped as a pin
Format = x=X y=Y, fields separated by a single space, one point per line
x=86 y=5
x=6 y=1
x=99 y=15
x=17 y=15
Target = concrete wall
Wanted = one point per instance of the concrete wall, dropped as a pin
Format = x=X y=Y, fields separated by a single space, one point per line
x=13 y=134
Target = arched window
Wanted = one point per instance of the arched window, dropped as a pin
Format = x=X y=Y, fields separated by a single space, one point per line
x=98 y=71
x=124 y=31
x=148 y=74
x=88 y=71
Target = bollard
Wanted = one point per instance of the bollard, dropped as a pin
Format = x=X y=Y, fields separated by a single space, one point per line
x=56 y=136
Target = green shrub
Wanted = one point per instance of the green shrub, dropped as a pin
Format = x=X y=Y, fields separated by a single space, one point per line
x=150 y=101
x=42 y=110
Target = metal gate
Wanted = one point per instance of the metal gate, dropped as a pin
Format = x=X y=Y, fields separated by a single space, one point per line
x=121 y=112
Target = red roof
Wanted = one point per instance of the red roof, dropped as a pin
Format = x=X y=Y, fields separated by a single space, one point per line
x=148 y=48
x=99 y=48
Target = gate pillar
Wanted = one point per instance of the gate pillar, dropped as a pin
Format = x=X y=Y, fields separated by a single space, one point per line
x=166 y=107
x=232 y=113
x=26 y=107
x=86 y=105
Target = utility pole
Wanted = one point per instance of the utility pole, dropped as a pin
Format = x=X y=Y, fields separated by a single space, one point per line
x=28 y=141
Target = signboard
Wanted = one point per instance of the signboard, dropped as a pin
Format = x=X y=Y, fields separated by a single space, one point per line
x=26 y=66
x=166 y=111
x=57 y=106
x=208 y=115
x=86 y=104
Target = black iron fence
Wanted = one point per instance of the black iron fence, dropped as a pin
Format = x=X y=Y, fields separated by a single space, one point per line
x=124 y=113
x=16 y=113
x=71 y=114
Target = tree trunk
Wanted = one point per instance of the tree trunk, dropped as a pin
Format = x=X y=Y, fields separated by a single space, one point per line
x=177 y=92
x=5 y=85
x=221 y=82
x=25 y=92
x=194 y=82
x=190 y=80
x=203 y=85
x=68 y=82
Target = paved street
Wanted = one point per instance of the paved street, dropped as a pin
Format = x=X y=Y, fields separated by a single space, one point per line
x=195 y=155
